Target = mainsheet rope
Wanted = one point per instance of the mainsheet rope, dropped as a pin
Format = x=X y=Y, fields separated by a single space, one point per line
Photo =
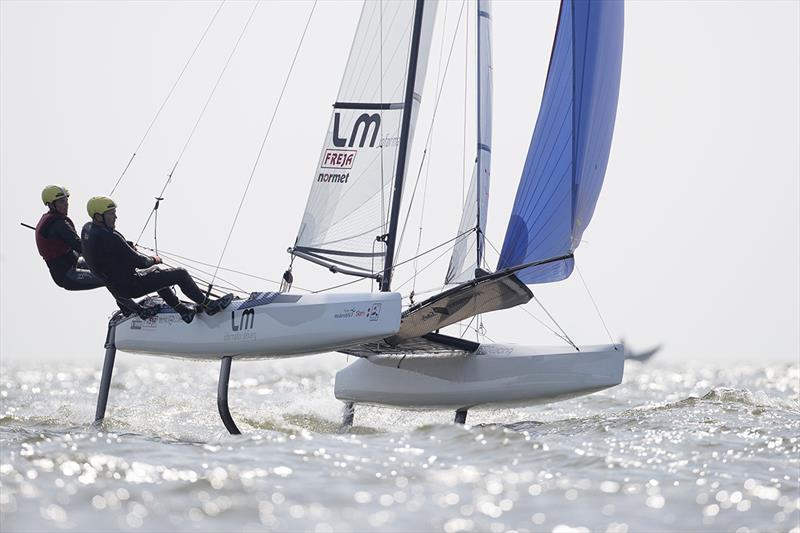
x=231 y=270
x=169 y=94
x=160 y=196
x=263 y=142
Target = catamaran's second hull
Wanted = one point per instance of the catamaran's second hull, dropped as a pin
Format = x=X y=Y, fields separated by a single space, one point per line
x=495 y=374
x=267 y=325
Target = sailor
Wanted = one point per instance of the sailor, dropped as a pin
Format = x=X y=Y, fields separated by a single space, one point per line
x=130 y=274
x=59 y=244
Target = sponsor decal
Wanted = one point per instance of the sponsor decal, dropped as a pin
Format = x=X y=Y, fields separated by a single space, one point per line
x=389 y=141
x=170 y=319
x=366 y=124
x=372 y=313
x=240 y=336
x=246 y=321
x=144 y=325
x=338 y=159
x=333 y=178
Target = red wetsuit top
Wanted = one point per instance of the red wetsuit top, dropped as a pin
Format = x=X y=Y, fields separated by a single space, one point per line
x=58 y=243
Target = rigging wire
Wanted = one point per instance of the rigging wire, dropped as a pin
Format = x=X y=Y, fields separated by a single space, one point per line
x=195 y=261
x=238 y=289
x=428 y=163
x=537 y=319
x=423 y=269
x=402 y=262
x=596 y=308
x=430 y=129
x=169 y=94
x=199 y=118
x=566 y=337
x=464 y=142
x=264 y=140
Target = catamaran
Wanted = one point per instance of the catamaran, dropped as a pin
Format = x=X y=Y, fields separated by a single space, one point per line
x=353 y=213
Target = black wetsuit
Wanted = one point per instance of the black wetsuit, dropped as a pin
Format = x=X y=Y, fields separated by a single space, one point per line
x=128 y=273
x=68 y=270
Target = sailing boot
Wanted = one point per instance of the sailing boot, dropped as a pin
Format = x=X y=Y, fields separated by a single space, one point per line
x=212 y=308
x=187 y=312
x=149 y=311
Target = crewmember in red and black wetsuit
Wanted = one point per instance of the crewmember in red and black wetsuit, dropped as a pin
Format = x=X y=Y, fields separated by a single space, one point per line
x=59 y=244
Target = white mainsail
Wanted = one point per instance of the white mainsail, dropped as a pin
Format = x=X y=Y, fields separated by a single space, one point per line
x=468 y=251
x=347 y=213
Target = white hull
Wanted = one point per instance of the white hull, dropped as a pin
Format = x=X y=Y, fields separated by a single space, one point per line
x=496 y=374
x=273 y=325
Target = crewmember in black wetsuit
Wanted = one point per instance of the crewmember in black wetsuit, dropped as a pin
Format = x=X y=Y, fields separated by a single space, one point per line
x=130 y=274
x=59 y=244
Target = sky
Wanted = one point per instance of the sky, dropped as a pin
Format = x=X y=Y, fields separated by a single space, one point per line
x=695 y=242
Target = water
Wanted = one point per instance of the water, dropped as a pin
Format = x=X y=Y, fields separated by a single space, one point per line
x=681 y=447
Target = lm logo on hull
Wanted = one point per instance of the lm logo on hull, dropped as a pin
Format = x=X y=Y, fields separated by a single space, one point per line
x=246 y=321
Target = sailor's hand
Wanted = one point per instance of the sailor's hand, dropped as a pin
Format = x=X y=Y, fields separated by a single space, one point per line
x=156 y=260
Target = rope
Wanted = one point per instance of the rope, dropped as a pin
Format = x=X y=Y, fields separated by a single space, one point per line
x=596 y=308
x=403 y=263
x=537 y=319
x=428 y=164
x=205 y=281
x=430 y=129
x=464 y=141
x=566 y=337
x=200 y=117
x=557 y=334
x=174 y=255
x=423 y=269
x=169 y=94
x=264 y=140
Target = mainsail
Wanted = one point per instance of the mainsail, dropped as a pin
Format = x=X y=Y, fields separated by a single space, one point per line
x=347 y=217
x=468 y=251
x=569 y=150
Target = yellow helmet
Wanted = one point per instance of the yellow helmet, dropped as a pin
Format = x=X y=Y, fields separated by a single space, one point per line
x=51 y=193
x=100 y=204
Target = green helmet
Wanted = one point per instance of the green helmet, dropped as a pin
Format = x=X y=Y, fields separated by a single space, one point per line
x=100 y=204
x=51 y=193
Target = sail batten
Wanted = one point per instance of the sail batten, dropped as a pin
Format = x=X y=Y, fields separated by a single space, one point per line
x=568 y=154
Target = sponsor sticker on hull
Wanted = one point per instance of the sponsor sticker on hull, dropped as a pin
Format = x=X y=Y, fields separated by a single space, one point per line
x=144 y=325
x=372 y=313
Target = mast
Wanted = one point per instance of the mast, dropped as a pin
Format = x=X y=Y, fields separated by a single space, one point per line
x=478 y=237
x=408 y=102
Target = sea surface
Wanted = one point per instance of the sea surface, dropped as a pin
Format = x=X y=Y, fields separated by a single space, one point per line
x=676 y=447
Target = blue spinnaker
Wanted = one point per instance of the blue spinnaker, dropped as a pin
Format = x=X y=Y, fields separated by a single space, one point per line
x=569 y=150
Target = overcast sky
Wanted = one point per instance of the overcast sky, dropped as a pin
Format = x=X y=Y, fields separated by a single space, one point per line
x=695 y=242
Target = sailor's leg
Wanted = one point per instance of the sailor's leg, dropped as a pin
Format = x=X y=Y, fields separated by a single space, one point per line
x=80 y=279
x=105 y=380
x=461 y=416
x=348 y=414
x=222 y=397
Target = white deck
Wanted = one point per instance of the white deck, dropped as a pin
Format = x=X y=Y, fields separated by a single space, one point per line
x=277 y=325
